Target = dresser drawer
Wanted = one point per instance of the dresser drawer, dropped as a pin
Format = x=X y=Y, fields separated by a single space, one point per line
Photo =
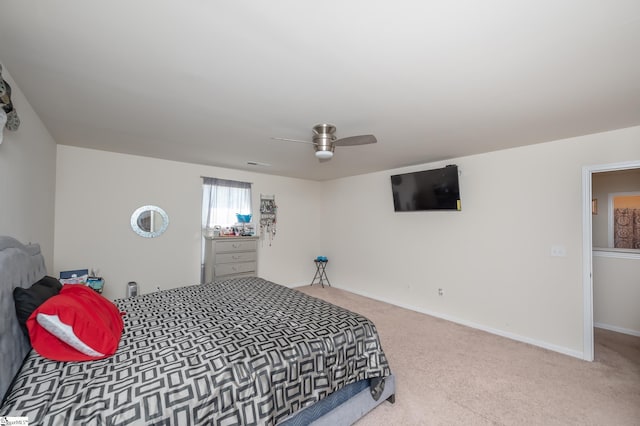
x=230 y=257
x=235 y=257
x=236 y=245
x=234 y=268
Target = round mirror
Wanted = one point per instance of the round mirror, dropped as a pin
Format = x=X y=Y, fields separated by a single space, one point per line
x=149 y=221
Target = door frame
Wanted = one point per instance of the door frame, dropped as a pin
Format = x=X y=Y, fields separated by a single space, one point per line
x=587 y=246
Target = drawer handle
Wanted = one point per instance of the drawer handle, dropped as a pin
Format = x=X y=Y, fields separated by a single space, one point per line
x=236 y=257
x=234 y=245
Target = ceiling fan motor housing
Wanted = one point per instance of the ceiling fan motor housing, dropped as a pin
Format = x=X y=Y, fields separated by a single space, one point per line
x=323 y=139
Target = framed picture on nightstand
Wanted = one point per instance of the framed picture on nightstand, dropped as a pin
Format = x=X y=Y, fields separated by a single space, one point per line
x=96 y=283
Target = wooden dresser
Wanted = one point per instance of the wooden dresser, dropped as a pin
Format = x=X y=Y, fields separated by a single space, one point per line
x=230 y=257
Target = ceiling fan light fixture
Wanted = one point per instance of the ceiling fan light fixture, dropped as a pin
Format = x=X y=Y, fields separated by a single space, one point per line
x=324 y=155
x=325 y=141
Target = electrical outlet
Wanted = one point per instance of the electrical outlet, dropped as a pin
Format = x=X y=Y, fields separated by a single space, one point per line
x=440 y=292
x=558 y=251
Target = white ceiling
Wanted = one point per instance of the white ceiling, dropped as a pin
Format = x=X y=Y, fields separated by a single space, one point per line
x=210 y=82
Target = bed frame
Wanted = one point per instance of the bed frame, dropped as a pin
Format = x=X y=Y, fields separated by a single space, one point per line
x=22 y=265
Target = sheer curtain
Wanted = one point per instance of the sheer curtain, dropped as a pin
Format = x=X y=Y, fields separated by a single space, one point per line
x=222 y=199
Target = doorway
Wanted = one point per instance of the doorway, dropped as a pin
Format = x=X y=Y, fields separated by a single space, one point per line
x=587 y=174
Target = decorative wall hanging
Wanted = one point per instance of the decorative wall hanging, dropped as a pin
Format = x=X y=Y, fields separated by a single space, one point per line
x=268 y=211
x=9 y=116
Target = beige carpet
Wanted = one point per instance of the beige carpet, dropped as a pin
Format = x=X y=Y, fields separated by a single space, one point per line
x=449 y=374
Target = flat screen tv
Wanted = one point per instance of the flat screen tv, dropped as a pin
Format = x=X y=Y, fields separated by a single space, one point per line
x=435 y=189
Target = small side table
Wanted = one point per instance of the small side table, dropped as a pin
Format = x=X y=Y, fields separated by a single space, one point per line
x=321 y=273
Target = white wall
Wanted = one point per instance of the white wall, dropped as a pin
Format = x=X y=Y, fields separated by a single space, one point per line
x=98 y=191
x=616 y=293
x=492 y=259
x=27 y=178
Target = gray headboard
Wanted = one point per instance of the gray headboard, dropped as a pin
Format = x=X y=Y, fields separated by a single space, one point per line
x=20 y=266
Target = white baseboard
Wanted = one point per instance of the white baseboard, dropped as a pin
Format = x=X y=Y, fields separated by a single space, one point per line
x=508 y=335
x=617 y=329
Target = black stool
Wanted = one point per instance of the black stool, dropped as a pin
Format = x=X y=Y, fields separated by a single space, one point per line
x=321 y=274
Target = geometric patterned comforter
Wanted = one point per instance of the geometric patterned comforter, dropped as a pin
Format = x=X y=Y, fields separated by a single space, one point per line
x=237 y=352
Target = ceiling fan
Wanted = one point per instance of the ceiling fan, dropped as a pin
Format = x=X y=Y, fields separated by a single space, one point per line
x=325 y=141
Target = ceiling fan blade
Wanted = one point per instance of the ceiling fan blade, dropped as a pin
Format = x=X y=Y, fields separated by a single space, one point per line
x=293 y=140
x=356 y=140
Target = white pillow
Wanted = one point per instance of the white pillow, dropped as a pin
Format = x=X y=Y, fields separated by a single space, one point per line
x=64 y=332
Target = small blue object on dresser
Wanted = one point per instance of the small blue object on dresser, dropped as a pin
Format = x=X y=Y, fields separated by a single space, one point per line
x=243 y=218
x=322 y=259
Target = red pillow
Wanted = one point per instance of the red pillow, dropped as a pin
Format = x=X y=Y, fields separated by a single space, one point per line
x=76 y=325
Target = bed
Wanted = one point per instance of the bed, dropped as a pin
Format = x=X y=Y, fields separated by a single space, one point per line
x=235 y=352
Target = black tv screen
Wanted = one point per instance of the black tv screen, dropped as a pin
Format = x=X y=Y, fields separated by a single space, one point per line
x=435 y=189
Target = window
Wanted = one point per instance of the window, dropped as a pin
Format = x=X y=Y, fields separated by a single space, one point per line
x=222 y=200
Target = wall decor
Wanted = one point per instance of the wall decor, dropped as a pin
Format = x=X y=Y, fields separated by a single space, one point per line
x=12 y=122
x=149 y=221
x=268 y=212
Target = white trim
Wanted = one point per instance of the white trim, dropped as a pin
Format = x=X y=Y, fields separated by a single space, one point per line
x=587 y=248
x=617 y=329
x=587 y=266
x=617 y=253
x=502 y=333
